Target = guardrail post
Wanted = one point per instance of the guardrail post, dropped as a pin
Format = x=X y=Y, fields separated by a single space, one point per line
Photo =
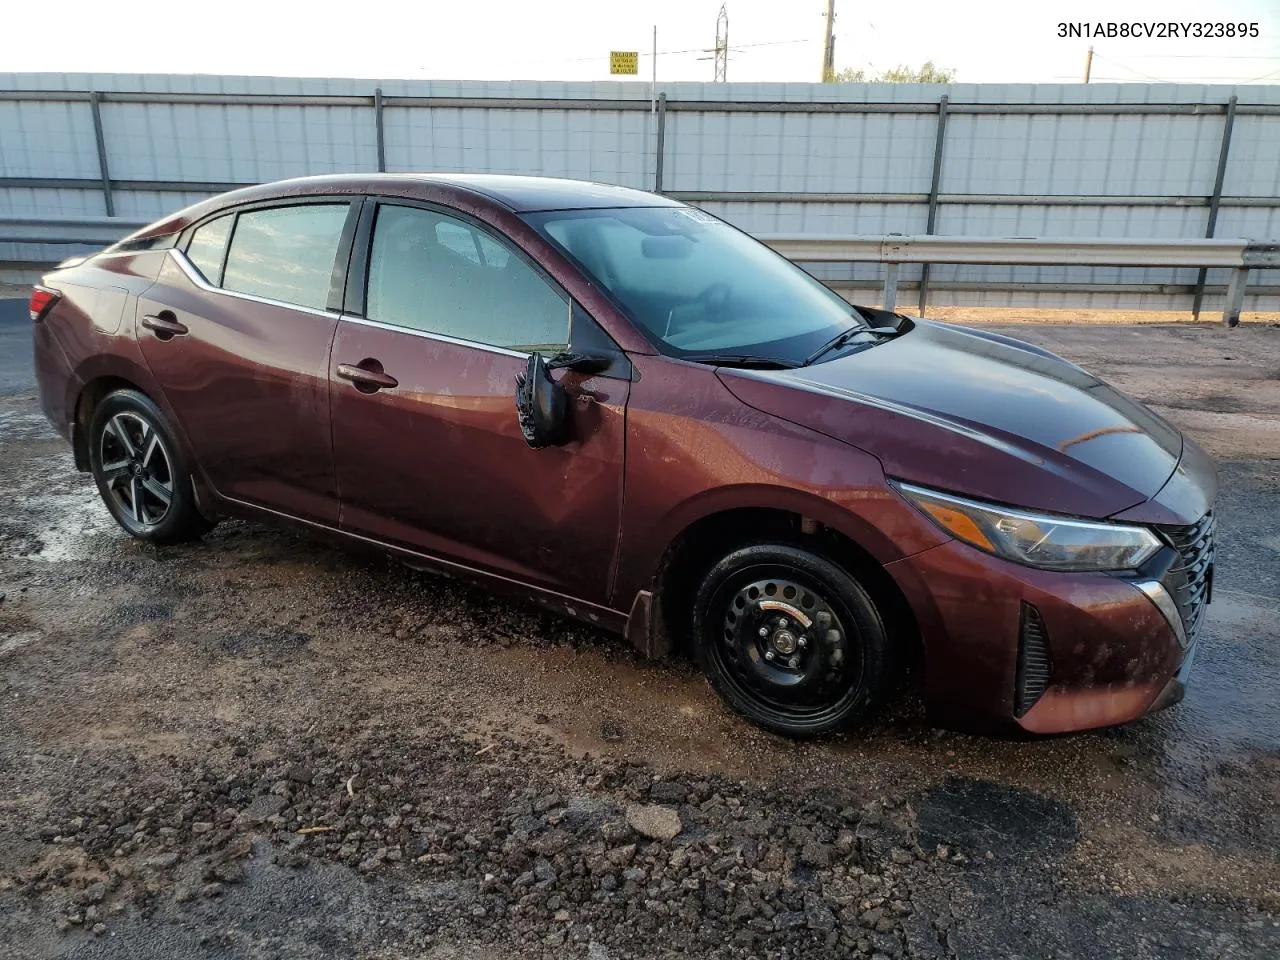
x=891 y=286
x=95 y=108
x=1235 y=297
x=1215 y=202
x=377 y=124
x=661 y=148
x=932 y=217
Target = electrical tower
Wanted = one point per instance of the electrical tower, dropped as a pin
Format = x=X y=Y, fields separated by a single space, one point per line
x=722 y=44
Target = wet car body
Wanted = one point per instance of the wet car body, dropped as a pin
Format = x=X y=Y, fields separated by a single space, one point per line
x=665 y=455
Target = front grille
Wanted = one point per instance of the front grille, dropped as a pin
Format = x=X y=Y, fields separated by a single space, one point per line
x=1034 y=666
x=1190 y=580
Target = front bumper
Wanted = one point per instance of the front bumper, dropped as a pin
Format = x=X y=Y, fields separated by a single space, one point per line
x=1112 y=654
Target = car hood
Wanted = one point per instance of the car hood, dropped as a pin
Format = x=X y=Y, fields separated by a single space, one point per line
x=979 y=414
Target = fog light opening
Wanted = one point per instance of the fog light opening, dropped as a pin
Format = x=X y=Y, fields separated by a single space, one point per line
x=1034 y=666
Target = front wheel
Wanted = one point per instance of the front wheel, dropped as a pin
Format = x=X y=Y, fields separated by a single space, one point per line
x=790 y=640
x=139 y=470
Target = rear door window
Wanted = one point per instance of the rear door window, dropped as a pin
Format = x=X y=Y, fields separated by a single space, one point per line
x=208 y=246
x=439 y=274
x=286 y=253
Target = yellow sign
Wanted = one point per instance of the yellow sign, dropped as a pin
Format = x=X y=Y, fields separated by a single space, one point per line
x=624 y=61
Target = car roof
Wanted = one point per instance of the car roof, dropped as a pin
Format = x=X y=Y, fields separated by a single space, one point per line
x=517 y=194
x=526 y=194
x=520 y=194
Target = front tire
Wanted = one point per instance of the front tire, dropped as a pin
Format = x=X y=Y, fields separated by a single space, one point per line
x=140 y=471
x=790 y=640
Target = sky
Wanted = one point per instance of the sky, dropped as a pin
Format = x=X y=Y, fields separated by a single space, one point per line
x=1002 y=41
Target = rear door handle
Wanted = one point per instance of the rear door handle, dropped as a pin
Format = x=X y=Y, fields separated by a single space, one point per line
x=367 y=375
x=164 y=327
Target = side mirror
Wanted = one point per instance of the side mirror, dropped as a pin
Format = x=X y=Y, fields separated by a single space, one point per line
x=540 y=405
x=579 y=363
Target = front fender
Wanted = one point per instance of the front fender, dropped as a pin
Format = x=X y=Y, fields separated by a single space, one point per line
x=682 y=469
x=859 y=514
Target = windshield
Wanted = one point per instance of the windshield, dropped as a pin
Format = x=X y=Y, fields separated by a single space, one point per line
x=696 y=285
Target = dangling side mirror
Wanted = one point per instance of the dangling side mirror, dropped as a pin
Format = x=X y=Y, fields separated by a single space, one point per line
x=541 y=405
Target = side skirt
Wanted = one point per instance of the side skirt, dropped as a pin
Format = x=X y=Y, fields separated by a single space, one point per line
x=601 y=616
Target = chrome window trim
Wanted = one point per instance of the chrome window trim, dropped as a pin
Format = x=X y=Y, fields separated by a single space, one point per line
x=1159 y=596
x=428 y=335
x=193 y=275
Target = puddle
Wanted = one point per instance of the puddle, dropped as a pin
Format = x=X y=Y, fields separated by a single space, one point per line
x=70 y=527
x=19 y=425
x=1231 y=696
x=981 y=816
x=268 y=642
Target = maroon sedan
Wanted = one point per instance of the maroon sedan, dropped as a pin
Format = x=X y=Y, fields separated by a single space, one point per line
x=639 y=415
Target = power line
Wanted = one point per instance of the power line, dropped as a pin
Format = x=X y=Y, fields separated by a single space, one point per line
x=1236 y=81
x=736 y=48
x=1191 y=79
x=1196 y=56
x=1122 y=66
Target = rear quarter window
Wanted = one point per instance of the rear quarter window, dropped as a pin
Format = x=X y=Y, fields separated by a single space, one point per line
x=207 y=247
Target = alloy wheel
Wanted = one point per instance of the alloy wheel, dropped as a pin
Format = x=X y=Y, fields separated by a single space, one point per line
x=137 y=470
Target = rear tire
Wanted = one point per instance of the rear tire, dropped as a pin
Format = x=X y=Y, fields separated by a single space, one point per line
x=790 y=640
x=140 y=470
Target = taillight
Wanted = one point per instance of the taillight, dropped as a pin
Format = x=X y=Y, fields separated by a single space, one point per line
x=41 y=302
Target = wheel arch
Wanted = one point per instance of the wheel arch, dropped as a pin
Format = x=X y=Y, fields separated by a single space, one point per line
x=102 y=374
x=810 y=523
x=86 y=401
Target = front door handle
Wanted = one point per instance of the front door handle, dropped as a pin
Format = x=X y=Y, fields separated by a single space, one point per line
x=164 y=326
x=367 y=375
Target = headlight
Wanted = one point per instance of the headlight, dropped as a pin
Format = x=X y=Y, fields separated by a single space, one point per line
x=1036 y=539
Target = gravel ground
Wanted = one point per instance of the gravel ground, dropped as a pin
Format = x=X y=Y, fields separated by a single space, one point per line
x=265 y=746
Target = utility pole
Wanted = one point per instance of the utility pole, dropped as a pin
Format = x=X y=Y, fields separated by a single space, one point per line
x=829 y=46
x=653 y=77
x=653 y=102
x=722 y=45
x=1088 y=63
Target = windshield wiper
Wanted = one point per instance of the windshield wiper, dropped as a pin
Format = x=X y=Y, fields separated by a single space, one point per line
x=840 y=339
x=739 y=360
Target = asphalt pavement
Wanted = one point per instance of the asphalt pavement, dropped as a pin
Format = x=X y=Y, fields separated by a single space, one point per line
x=15 y=348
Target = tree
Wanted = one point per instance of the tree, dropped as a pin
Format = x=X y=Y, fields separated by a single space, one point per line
x=928 y=73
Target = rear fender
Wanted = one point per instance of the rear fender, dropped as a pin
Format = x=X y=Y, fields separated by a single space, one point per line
x=127 y=366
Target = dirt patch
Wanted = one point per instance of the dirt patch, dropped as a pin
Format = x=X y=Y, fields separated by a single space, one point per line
x=214 y=750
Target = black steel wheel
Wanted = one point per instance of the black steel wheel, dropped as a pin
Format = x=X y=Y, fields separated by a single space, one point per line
x=789 y=639
x=140 y=472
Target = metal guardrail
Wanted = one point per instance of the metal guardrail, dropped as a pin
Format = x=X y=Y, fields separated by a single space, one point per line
x=893 y=250
x=636 y=103
x=1237 y=255
x=102 y=231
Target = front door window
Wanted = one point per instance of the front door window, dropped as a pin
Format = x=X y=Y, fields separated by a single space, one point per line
x=438 y=274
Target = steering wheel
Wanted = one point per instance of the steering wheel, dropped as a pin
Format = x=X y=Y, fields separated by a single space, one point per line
x=715 y=299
